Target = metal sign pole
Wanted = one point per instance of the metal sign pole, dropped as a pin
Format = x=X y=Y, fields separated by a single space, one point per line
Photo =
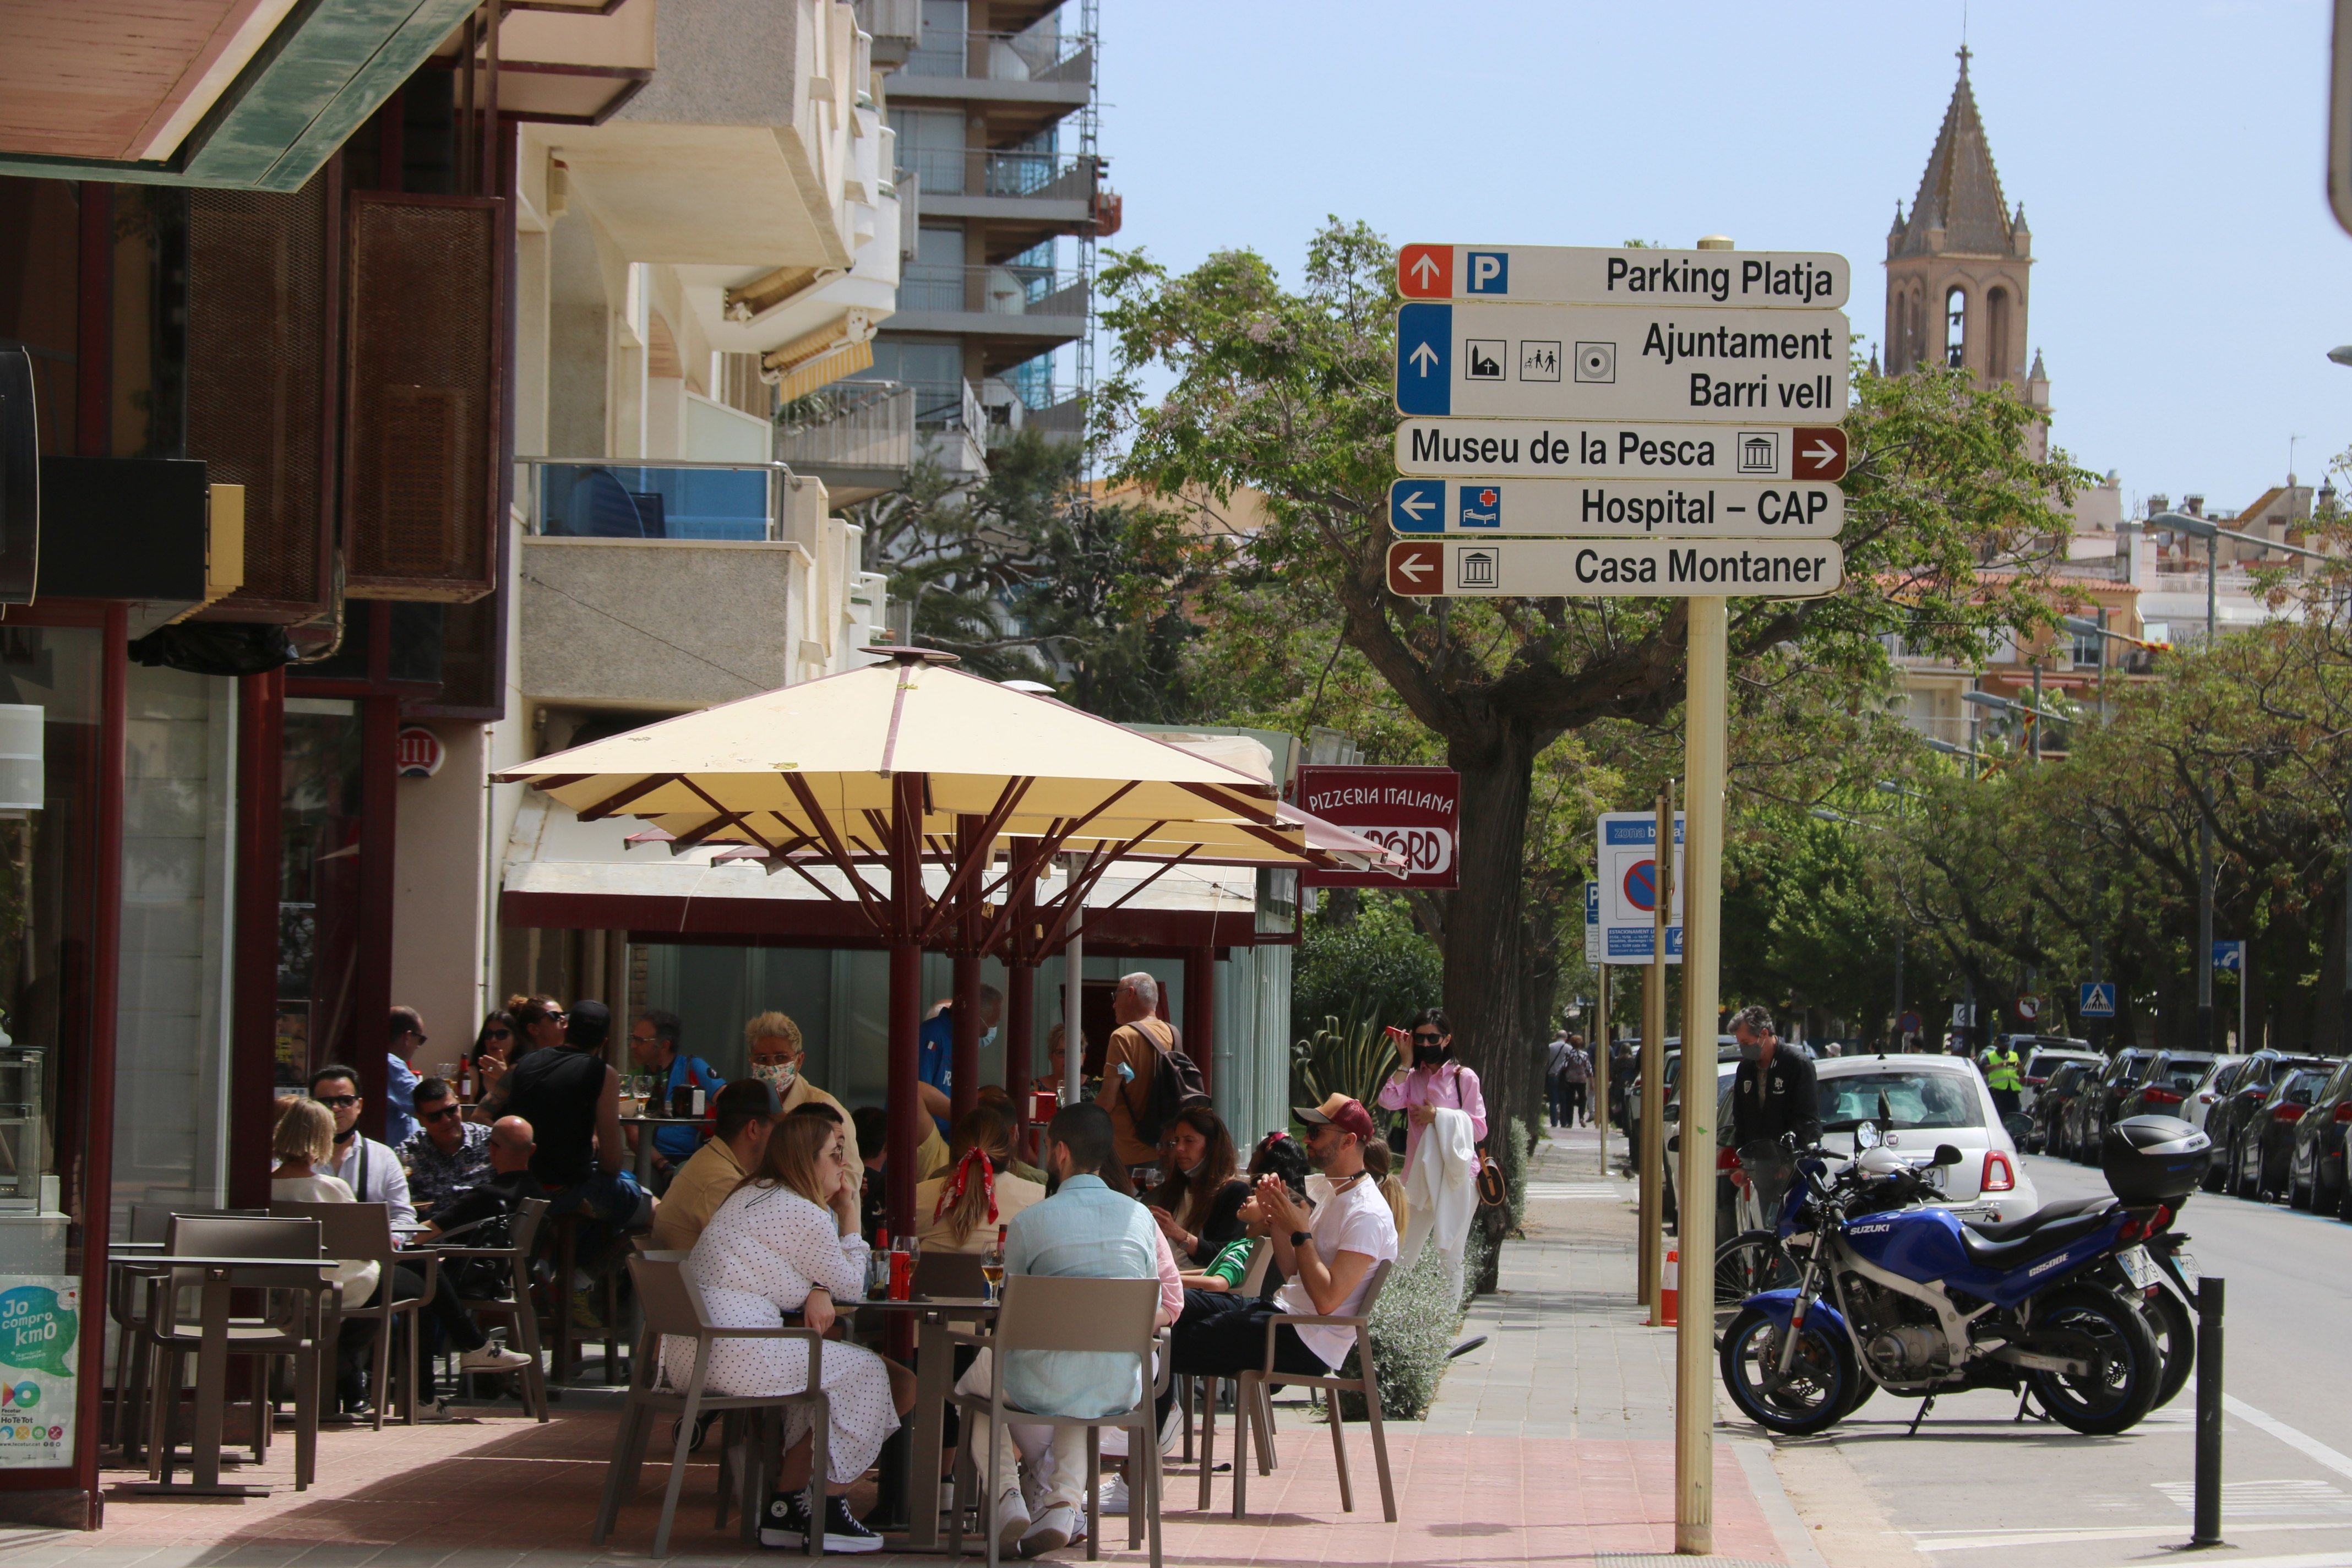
x=1703 y=788
x=1653 y=1068
x=1600 y=1084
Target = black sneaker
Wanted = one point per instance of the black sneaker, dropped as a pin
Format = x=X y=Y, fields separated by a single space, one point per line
x=844 y=1531
x=787 y=1524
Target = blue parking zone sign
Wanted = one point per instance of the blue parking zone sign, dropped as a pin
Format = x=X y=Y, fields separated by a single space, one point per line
x=2229 y=955
x=2098 y=999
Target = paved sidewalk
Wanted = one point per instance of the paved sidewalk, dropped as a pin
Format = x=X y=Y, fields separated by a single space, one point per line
x=1551 y=1442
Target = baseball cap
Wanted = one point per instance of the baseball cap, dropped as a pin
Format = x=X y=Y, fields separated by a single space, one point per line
x=1340 y=1112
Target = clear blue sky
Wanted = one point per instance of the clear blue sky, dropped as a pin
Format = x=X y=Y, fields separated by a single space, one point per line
x=2189 y=278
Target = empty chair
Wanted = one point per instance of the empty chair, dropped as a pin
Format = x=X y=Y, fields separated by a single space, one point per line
x=361 y=1233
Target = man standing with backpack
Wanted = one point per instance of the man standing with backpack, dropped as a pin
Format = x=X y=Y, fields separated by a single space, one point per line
x=1147 y=1077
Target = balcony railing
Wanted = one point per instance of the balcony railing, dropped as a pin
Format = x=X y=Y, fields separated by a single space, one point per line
x=993 y=291
x=1032 y=56
x=1042 y=177
x=850 y=424
x=589 y=499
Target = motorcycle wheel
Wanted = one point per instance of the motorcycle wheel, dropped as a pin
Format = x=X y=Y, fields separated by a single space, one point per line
x=1820 y=1389
x=2175 y=1342
x=2084 y=1321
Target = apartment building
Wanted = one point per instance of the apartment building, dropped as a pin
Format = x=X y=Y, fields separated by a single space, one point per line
x=994 y=103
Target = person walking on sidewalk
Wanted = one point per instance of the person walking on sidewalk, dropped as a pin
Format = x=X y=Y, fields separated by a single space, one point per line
x=1434 y=1079
x=1576 y=1079
x=1556 y=1056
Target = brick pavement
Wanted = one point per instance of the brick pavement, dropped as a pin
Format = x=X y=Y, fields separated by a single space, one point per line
x=1552 y=1442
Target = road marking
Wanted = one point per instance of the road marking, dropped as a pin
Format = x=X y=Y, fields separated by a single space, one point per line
x=1572 y=1190
x=2302 y=1442
x=2256 y=1500
x=2157 y=1533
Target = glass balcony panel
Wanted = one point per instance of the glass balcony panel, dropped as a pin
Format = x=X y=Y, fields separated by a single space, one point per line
x=653 y=500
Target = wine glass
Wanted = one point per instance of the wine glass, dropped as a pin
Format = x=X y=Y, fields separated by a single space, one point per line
x=992 y=1270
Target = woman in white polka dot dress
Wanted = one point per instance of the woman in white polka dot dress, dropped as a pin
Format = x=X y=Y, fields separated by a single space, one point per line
x=787 y=1241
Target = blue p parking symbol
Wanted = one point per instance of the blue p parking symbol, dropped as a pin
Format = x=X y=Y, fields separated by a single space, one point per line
x=1490 y=272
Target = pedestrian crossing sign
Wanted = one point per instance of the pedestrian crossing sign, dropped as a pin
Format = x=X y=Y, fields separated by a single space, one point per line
x=2098 y=999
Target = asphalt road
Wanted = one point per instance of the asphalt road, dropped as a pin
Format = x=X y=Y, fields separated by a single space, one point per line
x=1977 y=1489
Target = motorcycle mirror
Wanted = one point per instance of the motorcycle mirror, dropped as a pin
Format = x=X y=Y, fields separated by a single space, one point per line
x=1946 y=1155
x=1865 y=1135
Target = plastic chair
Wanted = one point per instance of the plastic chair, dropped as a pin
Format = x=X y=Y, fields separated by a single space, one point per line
x=1048 y=1312
x=150 y=1224
x=361 y=1233
x=515 y=1307
x=1254 y=1385
x=289 y=1325
x=673 y=1306
x=568 y=1337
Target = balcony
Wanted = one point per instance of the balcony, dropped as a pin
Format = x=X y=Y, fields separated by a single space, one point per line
x=857 y=436
x=1060 y=416
x=1029 y=309
x=1052 y=193
x=738 y=581
x=1024 y=81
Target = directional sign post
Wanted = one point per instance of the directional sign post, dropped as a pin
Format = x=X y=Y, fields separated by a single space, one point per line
x=1615 y=568
x=1566 y=449
x=1617 y=509
x=1609 y=362
x=1612 y=275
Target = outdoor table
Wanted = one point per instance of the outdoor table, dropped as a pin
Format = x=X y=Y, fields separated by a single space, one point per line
x=645 y=1141
x=917 y=1501
x=212 y=1365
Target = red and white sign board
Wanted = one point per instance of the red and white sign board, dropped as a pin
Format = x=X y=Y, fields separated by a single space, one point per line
x=1413 y=811
x=417 y=753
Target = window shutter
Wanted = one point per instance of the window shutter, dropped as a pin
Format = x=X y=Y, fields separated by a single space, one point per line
x=424 y=439
x=261 y=329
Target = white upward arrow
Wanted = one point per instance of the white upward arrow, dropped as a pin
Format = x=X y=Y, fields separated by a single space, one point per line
x=1413 y=568
x=1823 y=453
x=1414 y=504
x=1424 y=269
x=1423 y=356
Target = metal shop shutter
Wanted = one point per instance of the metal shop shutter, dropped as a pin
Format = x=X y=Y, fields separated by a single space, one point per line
x=425 y=396
x=261 y=389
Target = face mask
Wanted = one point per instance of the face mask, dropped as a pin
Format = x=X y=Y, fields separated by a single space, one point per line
x=1751 y=1050
x=779 y=1074
x=988 y=1035
x=1428 y=1055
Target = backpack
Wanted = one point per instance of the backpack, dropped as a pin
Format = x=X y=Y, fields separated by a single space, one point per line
x=1176 y=1082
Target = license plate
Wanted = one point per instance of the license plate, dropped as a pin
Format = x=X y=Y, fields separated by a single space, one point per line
x=2141 y=1272
x=2188 y=1267
x=1935 y=1176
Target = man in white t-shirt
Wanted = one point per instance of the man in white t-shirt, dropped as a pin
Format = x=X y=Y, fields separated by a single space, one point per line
x=1326 y=1257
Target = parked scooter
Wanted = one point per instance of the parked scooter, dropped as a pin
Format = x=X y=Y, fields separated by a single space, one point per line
x=1896 y=1292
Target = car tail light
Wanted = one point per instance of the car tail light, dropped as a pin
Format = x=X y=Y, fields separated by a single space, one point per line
x=2036 y=1082
x=2291 y=1112
x=2161 y=1097
x=1998 y=1175
x=2343 y=1110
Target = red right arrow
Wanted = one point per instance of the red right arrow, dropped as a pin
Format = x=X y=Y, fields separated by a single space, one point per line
x=1817 y=452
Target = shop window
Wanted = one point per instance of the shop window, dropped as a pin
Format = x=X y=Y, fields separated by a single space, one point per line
x=318 y=882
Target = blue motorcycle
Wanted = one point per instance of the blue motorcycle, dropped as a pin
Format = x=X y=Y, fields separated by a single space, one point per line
x=1896 y=1293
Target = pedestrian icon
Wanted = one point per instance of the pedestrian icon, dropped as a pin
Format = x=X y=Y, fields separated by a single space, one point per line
x=1760 y=452
x=1482 y=506
x=1477 y=568
x=1596 y=362
x=1484 y=358
x=1539 y=360
x=2098 y=999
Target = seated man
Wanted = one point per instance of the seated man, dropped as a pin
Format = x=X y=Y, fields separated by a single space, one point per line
x=447 y=1154
x=1326 y=1260
x=572 y=1099
x=373 y=1171
x=1084 y=1230
x=498 y=1193
x=747 y=1110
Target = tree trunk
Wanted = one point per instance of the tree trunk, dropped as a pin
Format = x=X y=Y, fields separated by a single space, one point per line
x=2326 y=1036
x=1483 y=921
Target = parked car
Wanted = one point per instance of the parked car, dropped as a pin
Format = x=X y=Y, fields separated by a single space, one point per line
x=2044 y=1057
x=1918 y=1103
x=2210 y=1089
x=2315 y=1164
x=2264 y=1143
x=2046 y=1134
x=2226 y=1119
x=2165 y=1089
x=2093 y=1108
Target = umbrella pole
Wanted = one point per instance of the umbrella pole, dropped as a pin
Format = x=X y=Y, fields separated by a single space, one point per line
x=1020 y=1035
x=963 y=1084
x=905 y=1104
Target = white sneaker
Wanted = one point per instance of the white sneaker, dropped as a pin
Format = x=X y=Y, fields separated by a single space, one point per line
x=1054 y=1530
x=1012 y=1523
x=491 y=1358
x=1113 y=1496
x=1171 y=1429
x=1033 y=1493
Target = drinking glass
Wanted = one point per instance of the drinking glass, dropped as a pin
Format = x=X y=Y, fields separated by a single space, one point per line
x=991 y=1270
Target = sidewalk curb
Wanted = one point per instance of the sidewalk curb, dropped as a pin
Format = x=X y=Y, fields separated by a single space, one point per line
x=1780 y=1513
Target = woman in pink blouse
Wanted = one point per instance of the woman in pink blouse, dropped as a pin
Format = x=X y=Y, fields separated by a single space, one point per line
x=1435 y=1079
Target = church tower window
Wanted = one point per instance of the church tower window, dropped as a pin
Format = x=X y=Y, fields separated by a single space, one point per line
x=1955 y=327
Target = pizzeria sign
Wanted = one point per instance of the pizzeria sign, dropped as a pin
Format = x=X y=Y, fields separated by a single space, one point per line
x=1414 y=812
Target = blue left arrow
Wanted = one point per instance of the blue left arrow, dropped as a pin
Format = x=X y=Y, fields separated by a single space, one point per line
x=1424 y=368
x=1417 y=506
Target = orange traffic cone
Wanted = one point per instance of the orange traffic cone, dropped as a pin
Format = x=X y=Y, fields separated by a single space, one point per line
x=1669 y=1289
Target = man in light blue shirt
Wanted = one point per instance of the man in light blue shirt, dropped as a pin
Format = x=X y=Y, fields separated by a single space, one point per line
x=1084 y=1230
x=400 y=1079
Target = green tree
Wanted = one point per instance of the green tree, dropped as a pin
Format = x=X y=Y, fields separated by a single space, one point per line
x=1290 y=393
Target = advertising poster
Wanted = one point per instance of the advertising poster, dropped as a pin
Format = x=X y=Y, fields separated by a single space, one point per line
x=40 y=1337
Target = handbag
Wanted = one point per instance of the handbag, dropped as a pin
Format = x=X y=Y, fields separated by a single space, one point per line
x=1492 y=1192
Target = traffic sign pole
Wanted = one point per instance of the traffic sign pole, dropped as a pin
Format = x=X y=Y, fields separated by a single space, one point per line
x=1706 y=711
x=1653 y=1209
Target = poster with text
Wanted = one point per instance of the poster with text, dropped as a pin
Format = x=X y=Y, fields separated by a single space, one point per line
x=40 y=1340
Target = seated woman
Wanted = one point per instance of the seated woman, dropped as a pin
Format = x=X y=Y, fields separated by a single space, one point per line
x=787 y=1241
x=305 y=1141
x=1217 y=1287
x=960 y=1210
x=1199 y=1197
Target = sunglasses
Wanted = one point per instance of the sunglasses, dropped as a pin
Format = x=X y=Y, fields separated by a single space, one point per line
x=443 y=1114
x=1426 y=1036
x=498 y=1034
x=337 y=1101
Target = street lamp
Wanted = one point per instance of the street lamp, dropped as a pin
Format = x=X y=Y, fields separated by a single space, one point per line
x=2213 y=533
x=2011 y=705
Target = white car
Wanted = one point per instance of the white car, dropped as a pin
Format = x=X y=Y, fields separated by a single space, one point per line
x=1918 y=1103
x=2044 y=1058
